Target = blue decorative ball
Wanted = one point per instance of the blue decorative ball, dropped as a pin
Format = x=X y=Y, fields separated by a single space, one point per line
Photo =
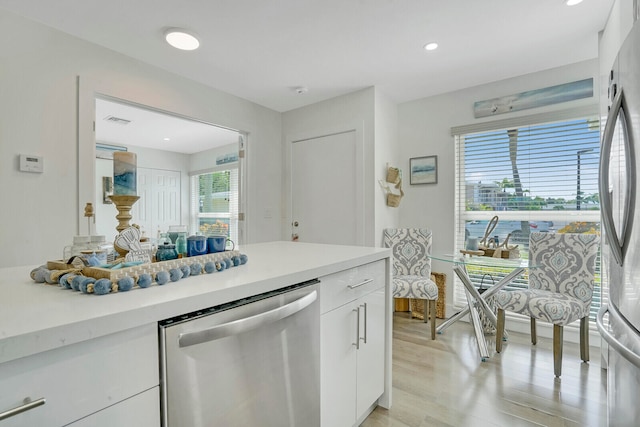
x=186 y=270
x=209 y=267
x=162 y=277
x=125 y=284
x=175 y=274
x=48 y=277
x=144 y=280
x=41 y=275
x=243 y=259
x=220 y=266
x=36 y=270
x=85 y=283
x=235 y=260
x=196 y=268
x=227 y=263
x=102 y=286
x=76 y=282
x=63 y=281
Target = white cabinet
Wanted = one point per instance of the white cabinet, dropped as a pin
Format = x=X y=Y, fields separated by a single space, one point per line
x=81 y=379
x=352 y=327
x=141 y=410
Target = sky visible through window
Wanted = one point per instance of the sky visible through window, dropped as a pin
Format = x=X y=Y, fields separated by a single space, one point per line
x=547 y=159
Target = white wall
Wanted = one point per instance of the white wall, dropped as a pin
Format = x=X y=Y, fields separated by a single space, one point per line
x=386 y=153
x=40 y=104
x=424 y=129
x=207 y=159
x=352 y=111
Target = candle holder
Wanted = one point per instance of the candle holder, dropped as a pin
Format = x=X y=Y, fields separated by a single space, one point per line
x=124 y=204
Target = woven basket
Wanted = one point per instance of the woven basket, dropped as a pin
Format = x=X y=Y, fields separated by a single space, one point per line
x=417 y=305
x=393 y=175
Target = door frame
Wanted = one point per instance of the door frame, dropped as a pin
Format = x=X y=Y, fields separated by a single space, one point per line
x=358 y=128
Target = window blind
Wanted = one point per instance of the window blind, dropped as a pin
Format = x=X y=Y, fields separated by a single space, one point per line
x=535 y=177
x=215 y=201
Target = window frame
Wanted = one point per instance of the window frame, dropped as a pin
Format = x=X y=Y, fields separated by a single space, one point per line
x=462 y=215
x=232 y=215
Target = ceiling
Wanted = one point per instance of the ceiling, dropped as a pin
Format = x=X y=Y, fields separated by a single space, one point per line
x=142 y=127
x=261 y=50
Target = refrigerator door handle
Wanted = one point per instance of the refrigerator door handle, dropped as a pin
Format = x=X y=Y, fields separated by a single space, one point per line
x=619 y=347
x=617 y=244
x=603 y=179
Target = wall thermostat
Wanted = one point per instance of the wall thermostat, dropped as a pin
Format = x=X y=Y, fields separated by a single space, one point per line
x=31 y=163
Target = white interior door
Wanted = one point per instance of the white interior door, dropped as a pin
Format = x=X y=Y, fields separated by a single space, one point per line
x=166 y=198
x=159 y=203
x=326 y=183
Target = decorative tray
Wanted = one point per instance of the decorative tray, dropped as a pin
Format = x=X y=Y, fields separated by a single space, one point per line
x=124 y=277
x=154 y=267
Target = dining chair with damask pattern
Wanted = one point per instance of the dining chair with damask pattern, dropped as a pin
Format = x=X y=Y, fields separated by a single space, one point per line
x=410 y=248
x=560 y=289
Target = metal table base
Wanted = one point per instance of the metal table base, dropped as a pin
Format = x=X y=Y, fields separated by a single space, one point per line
x=475 y=300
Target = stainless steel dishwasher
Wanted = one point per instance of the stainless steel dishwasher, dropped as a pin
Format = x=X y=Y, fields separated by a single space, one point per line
x=253 y=362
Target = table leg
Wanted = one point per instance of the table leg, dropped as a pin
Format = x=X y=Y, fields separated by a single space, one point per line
x=494 y=289
x=451 y=320
x=473 y=297
x=477 y=328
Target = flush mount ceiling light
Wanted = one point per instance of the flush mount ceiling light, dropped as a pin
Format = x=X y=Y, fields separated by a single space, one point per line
x=572 y=2
x=431 y=46
x=181 y=39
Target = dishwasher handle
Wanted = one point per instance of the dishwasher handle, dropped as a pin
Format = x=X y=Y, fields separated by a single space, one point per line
x=246 y=324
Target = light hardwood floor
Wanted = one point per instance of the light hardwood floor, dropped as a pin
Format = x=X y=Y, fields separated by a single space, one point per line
x=444 y=383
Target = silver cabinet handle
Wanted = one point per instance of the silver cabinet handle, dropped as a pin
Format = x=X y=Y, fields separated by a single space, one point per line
x=365 y=323
x=357 y=343
x=248 y=323
x=28 y=405
x=364 y=282
x=610 y=339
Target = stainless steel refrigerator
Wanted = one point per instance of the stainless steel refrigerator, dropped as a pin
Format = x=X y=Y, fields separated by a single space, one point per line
x=621 y=227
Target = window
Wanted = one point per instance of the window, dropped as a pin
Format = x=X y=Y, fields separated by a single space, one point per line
x=534 y=177
x=214 y=201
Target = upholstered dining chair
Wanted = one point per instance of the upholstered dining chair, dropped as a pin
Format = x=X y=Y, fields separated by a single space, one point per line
x=560 y=289
x=410 y=248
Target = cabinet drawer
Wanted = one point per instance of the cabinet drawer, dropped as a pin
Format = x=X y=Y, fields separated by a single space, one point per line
x=345 y=286
x=80 y=379
x=141 y=410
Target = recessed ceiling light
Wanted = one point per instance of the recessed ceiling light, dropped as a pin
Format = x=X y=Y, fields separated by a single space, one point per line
x=572 y=2
x=166 y=139
x=181 y=39
x=431 y=46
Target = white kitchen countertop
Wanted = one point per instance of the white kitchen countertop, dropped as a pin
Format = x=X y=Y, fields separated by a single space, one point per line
x=36 y=317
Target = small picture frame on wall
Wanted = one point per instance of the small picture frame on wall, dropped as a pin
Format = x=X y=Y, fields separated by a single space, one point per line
x=424 y=170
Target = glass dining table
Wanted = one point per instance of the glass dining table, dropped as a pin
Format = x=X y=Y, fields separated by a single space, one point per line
x=476 y=301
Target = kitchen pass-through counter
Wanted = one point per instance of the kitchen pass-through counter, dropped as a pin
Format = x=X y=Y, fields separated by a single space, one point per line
x=104 y=349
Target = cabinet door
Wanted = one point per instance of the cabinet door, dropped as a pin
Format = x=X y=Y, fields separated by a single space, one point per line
x=370 y=360
x=338 y=366
x=142 y=410
x=80 y=379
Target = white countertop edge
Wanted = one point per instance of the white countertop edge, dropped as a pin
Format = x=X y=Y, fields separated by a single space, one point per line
x=37 y=317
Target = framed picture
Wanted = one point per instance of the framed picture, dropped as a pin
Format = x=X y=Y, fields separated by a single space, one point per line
x=424 y=170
